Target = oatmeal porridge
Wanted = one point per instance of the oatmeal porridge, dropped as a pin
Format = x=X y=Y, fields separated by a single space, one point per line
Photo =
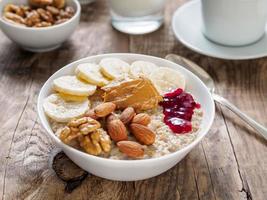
x=120 y=111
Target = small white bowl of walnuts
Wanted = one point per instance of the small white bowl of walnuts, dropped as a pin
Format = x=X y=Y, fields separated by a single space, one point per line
x=39 y=25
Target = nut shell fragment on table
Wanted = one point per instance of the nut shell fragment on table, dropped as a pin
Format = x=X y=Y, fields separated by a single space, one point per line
x=68 y=171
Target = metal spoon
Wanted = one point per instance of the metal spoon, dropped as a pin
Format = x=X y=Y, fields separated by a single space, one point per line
x=205 y=77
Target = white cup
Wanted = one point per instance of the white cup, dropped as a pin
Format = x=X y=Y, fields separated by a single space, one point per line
x=234 y=22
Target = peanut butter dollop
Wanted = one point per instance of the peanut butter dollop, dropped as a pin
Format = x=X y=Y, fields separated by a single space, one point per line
x=139 y=93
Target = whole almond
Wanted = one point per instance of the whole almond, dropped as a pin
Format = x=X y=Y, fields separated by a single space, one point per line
x=142 y=118
x=127 y=115
x=131 y=149
x=104 y=109
x=117 y=130
x=143 y=134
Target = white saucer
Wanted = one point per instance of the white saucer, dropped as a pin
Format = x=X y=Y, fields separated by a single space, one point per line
x=186 y=24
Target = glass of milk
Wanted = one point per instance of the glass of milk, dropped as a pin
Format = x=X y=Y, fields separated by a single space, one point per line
x=137 y=16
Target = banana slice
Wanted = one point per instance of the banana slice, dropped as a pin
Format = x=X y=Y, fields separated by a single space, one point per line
x=90 y=72
x=142 y=68
x=114 y=68
x=73 y=86
x=166 y=79
x=60 y=110
x=68 y=97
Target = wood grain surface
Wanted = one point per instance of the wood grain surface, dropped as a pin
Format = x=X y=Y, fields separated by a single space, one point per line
x=230 y=163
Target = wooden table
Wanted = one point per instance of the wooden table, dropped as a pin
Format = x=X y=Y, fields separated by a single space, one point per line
x=230 y=163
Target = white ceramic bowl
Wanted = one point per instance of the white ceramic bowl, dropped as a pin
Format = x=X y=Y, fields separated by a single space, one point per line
x=40 y=39
x=129 y=170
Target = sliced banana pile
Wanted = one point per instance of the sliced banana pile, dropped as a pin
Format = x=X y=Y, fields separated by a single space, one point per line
x=70 y=99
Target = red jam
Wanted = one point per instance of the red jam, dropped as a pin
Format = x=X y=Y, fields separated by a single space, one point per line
x=178 y=108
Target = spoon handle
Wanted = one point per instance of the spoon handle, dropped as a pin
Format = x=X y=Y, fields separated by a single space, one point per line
x=261 y=129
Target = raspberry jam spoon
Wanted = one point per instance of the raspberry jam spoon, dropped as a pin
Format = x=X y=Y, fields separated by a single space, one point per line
x=205 y=77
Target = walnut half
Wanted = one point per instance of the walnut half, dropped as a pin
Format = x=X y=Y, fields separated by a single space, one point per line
x=77 y=127
x=93 y=139
x=96 y=143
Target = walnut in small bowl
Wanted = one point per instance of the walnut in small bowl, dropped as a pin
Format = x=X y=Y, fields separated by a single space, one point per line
x=39 y=25
x=38 y=13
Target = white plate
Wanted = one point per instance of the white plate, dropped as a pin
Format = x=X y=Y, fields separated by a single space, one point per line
x=130 y=170
x=186 y=24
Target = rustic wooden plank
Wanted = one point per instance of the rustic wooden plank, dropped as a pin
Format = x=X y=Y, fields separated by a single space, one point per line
x=222 y=164
x=230 y=163
x=14 y=88
x=249 y=148
x=26 y=172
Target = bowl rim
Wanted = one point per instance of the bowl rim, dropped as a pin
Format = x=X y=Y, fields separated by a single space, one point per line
x=184 y=150
x=14 y=25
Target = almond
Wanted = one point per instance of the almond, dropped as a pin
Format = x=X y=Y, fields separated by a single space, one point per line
x=111 y=117
x=143 y=134
x=91 y=113
x=117 y=130
x=142 y=118
x=131 y=149
x=127 y=115
x=104 y=109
